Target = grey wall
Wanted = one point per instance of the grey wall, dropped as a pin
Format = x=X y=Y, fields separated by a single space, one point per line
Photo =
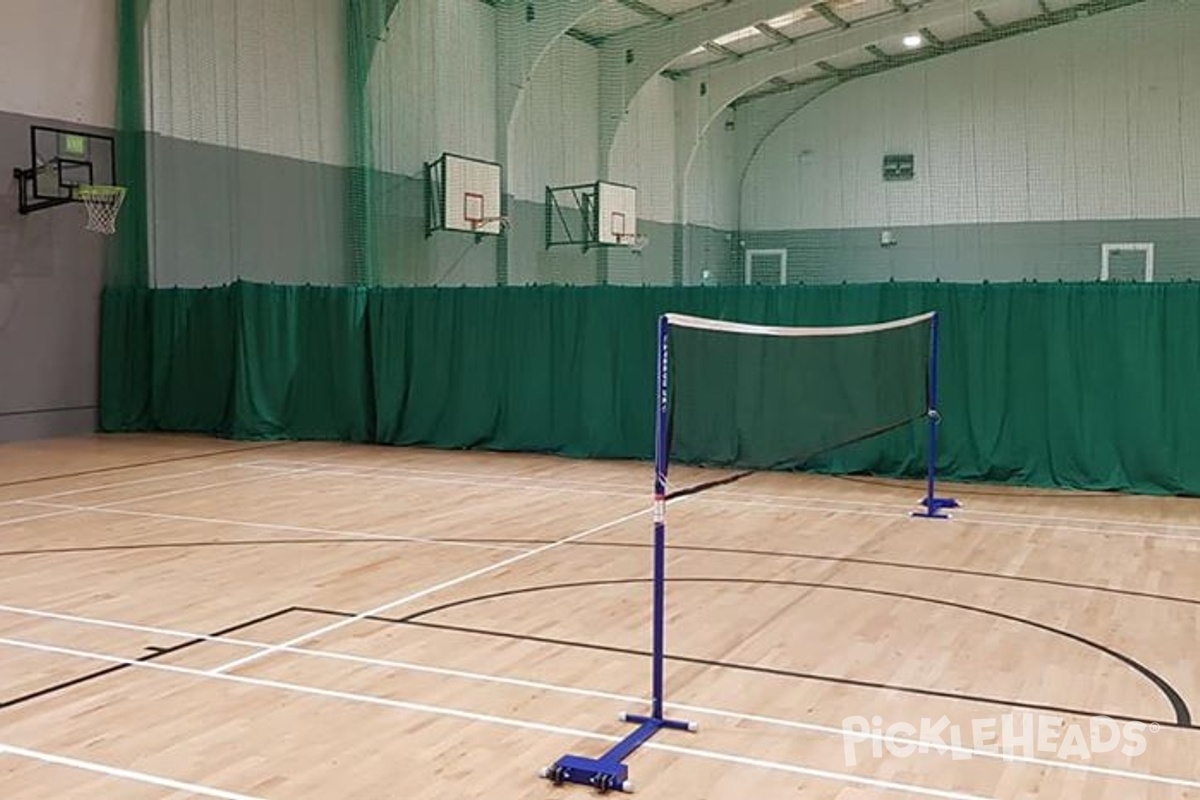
x=221 y=214
x=50 y=276
x=1030 y=153
x=995 y=251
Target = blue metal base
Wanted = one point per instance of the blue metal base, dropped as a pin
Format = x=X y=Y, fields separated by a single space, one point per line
x=608 y=773
x=934 y=507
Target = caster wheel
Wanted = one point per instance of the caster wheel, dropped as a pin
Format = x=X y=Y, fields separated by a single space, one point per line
x=693 y=727
x=544 y=773
x=627 y=787
x=622 y=717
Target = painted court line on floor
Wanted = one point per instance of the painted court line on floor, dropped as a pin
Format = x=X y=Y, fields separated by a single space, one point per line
x=482 y=482
x=710 y=755
x=408 y=598
x=62 y=510
x=281 y=527
x=1054 y=527
x=807 y=727
x=119 y=484
x=399 y=472
x=118 y=772
x=827 y=505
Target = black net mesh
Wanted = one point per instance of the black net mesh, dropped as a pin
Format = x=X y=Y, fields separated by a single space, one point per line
x=763 y=401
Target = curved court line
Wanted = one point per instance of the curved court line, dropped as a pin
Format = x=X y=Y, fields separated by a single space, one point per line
x=372 y=539
x=540 y=727
x=1183 y=716
x=808 y=727
x=117 y=772
x=902 y=565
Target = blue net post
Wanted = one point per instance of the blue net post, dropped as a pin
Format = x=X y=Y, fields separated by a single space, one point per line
x=609 y=772
x=932 y=505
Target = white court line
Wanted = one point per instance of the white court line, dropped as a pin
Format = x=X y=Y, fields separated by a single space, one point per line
x=119 y=484
x=117 y=772
x=807 y=727
x=966 y=511
x=408 y=598
x=278 y=526
x=836 y=505
x=539 y=482
x=482 y=482
x=1027 y=527
x=444 y=711
x=32 y=517
x=64 y=510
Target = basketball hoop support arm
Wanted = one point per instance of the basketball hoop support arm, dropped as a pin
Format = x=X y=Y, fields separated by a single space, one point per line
x=25 y=178
x=609 y=772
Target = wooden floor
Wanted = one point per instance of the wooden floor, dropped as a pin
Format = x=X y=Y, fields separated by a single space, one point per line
x=183 y=617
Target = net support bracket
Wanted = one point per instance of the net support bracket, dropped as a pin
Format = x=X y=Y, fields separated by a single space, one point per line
x=25 y=179
x=609 y=772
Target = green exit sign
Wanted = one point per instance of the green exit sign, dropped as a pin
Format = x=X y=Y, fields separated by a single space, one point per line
x=898 y=167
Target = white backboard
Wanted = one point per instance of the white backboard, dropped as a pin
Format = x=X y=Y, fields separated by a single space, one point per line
x=472 y=193
x=618 y=213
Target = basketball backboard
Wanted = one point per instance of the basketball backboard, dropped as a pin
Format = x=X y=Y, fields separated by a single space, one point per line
x=463 y=194
x=599 y=214
x=60 y=161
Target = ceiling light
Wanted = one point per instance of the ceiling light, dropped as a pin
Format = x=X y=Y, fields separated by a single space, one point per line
x=913 y=41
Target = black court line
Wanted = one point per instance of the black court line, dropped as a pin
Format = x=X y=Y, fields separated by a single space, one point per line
x=151 y=463
x=29 y=412
x=155 y=653
x=117 y=548
x=799 y=556
x=904 y=565
x=1183 y=717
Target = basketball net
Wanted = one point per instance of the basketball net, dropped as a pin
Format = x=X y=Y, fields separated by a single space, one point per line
x=636 y=242
x=478 y=224
x=103 y=204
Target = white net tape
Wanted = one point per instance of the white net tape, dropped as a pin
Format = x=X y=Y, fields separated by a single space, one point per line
x=103 y=204
x=704 y=323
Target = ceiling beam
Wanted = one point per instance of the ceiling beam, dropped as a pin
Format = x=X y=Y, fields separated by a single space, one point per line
x=720 y=50
x=646 y=11
x=875 y=50
x=900 y=6
x=586 y=38
x=828 y=13
x=983 y=19
x=931 y=38
x=1045 y=8
x=828 y=68
x=774 y=33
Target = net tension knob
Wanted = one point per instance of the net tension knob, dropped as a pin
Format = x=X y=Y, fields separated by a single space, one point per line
x=934 y=415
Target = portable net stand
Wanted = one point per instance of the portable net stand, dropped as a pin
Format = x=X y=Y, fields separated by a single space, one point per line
x=103 y=204
x=763 y=397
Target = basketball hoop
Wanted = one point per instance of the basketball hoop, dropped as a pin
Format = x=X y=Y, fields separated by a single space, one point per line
x=477 y=225
x=636 y=242
x=103 y=203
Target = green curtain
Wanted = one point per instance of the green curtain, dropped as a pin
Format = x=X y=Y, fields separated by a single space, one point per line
x=1080 y=385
